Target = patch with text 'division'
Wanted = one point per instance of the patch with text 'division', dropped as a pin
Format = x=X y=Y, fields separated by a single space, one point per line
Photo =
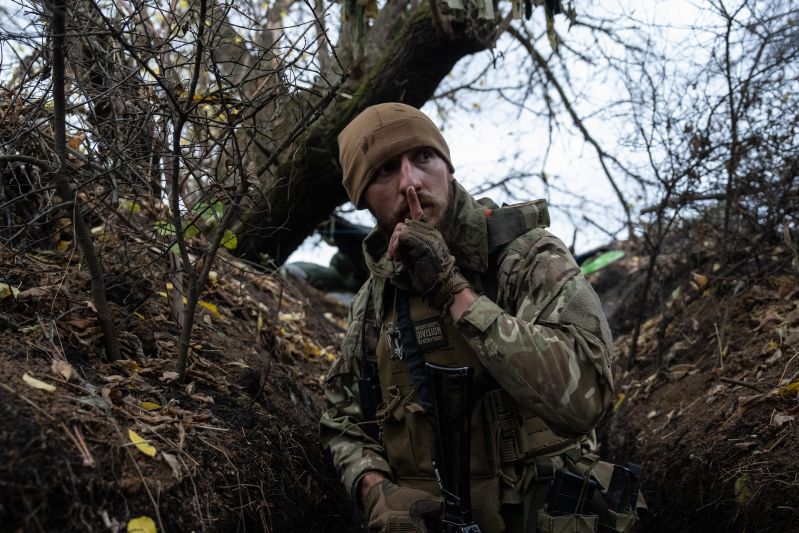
x=430 y=334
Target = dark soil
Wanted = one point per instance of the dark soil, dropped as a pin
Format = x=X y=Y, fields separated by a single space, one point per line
x=237 y=446
x=710 y=404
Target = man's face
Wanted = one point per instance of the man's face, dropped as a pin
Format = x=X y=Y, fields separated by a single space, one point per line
x=422 y=169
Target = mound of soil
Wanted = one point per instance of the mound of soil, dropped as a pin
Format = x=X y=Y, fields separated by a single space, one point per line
x=709 y=405
x=234 y=448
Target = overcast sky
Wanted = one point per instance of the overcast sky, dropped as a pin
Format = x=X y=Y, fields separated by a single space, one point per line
x=482 y=143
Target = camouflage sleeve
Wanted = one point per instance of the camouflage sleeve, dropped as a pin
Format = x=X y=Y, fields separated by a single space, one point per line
x=354 y=453
x=547 y=343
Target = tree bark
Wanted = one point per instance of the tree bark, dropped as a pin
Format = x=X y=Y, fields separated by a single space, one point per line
x=306 y=187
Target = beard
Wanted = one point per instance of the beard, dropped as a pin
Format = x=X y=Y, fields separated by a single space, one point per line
x=439 y=213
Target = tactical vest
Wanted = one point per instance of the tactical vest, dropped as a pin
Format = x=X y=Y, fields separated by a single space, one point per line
x=506 y=438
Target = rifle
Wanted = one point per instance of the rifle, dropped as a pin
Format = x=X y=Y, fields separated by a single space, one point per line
x=452 y=394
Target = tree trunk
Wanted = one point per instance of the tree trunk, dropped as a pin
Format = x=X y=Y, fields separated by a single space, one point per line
x=306 y=187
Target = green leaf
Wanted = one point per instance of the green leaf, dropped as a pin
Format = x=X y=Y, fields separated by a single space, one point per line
x=163 y=228
x=600 y=261
x=130 y=206
x=209 y=212
x=191 y=231
x=743 y=489
x=229 y=240
x=218 y=209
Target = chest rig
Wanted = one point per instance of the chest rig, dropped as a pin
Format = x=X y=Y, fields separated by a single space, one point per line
x=506 y=438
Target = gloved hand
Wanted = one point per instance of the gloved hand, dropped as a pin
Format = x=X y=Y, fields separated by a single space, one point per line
x=388 y=504
x=430 y=265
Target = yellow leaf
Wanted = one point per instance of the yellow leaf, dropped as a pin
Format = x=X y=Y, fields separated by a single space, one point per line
x=790 y=390
x=183 y=4
x=698 y=281
x=149 y=406
x=213 y=277
x=211 y=307
x=237 y=39
x=772 y=345
x=617 y=404
x=229 y=240
x=208 y=22
x=312 y=350
x=138 y=315
x=143 y=446
x=37 y=384
x=7 y=290
x=142 y=524
x=63 y=246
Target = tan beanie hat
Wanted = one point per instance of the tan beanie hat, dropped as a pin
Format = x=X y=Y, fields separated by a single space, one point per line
x=379 y=133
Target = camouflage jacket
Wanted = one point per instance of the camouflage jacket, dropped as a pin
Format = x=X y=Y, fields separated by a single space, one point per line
x=545 y=339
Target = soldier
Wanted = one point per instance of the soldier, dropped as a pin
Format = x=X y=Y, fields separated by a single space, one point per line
x=475 y=285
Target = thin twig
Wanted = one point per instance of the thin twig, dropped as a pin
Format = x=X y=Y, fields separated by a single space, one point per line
x=754 y=386
x=82 y=230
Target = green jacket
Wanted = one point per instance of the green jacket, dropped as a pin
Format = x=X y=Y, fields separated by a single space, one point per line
x=545 y=339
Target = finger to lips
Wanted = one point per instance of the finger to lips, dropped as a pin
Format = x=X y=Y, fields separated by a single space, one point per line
x=413 y=203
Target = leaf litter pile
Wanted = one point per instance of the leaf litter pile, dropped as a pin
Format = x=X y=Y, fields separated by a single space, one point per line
x=122 y=446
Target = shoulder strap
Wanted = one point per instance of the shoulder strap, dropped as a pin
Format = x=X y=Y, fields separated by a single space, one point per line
x=410 y=351
x=364 y=360
x=504 y=225
x=369 y=393
x=511 y=221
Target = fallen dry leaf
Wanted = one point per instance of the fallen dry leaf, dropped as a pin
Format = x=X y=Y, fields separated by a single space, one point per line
x=698 y=281
x=63 y=369
x=205 y=398
x=169 y=376
x=210 y=307
x=142 y=524
x=144 y=447
x=149 y=406
x=173 y=463
x=36 y=293
x=780 y=419
x=7 y=290
x=37 y=384
x=617 y=403
x=790 y=390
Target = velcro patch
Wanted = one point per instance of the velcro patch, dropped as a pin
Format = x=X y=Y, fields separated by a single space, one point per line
x=430 y=334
